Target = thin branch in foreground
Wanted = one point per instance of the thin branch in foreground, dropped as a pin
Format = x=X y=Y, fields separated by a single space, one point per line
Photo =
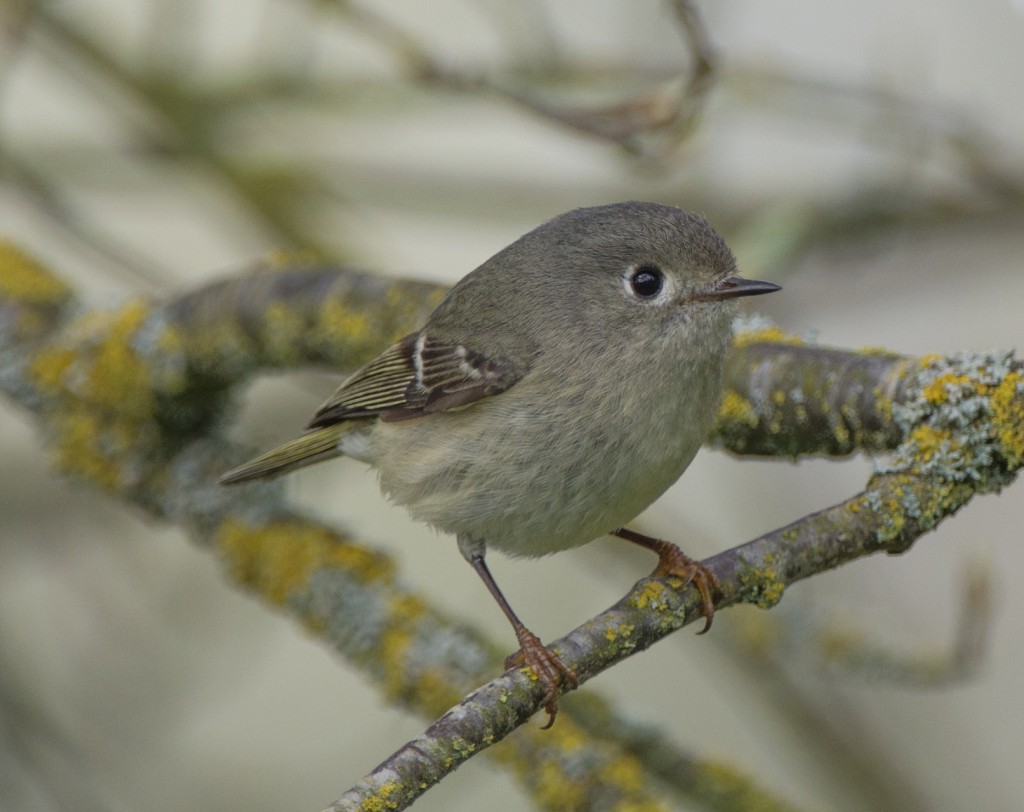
x=756 y=572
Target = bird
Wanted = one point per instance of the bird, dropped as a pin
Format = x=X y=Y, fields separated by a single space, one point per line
x=552 y=395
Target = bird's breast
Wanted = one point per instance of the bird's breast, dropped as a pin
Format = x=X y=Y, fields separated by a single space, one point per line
x=554 y=462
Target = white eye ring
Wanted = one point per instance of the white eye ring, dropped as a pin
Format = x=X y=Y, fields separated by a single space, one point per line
x=646 y=282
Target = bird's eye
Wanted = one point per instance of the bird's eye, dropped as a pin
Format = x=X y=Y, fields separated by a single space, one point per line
x=646 y=281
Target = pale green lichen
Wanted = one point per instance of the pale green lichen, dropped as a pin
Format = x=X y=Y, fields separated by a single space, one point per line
x=962 y=418
x=764 y=584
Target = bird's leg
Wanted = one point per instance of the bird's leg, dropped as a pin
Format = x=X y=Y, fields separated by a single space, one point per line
x=673 y=562
x=550 y=670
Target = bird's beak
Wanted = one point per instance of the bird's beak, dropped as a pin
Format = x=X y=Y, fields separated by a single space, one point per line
x=732 y=287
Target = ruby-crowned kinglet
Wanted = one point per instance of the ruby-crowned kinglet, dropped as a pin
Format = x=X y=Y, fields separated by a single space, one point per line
x=554 y=393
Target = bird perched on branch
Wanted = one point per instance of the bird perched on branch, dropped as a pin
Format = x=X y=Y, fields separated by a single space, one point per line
x=554 y=393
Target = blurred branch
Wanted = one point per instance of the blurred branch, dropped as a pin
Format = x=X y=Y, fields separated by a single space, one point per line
x=715 y=785
x=180 y=116
x=852 y=653
x=48 y=199
x=168 y=118
x=132 y=401
x=778 y=649
x=672 y=104
x=921 y=126
x=757 y=572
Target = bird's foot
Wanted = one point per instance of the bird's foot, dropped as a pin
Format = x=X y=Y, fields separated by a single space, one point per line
x=673 y=562
x=546 y=666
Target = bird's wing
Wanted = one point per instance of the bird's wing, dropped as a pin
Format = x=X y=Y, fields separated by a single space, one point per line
x=419 y=375
x=416 y=376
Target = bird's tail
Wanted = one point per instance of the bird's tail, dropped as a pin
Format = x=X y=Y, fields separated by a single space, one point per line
x=321 y=444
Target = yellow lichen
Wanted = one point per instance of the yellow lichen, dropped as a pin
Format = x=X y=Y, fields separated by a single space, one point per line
x=883 y=404
x=625 y=773
x=88 y=446
x=841 y=433
x=893 y=519
x=938 y=390
x=772 y=588
x=118 y=378
x=1007 y=405
x=766 y=335
x=345 y=324
x=407 y=608
x=218 y=341
x=434 y=691
x=284 y=326
x=382 y=801
x=620 y=630
x=736 y=409
x=555 y=790
x=279 y=558
x=553 y=787
x=24 y=279
x=730 y=789
x=569 y=738
x=394 y=645
x=49 y=366
x=108 y=371
x=651 y=594
x=930 y=441
x=765 y=582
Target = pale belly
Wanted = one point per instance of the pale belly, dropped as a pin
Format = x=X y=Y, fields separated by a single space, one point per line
x=535 y=480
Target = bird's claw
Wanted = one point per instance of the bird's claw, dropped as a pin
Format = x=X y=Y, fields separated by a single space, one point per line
x=546 y=666
x=673 y=562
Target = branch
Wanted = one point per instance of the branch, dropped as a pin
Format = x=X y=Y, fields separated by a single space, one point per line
x=757 y=572
x=131 y=400
x=671 y=105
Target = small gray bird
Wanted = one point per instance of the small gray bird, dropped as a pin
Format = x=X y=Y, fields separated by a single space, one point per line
x=554 y=393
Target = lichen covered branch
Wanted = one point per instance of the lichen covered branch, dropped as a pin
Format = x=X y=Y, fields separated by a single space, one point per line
x=132 y=399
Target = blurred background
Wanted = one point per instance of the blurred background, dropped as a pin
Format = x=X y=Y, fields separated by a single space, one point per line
x=866 y=156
